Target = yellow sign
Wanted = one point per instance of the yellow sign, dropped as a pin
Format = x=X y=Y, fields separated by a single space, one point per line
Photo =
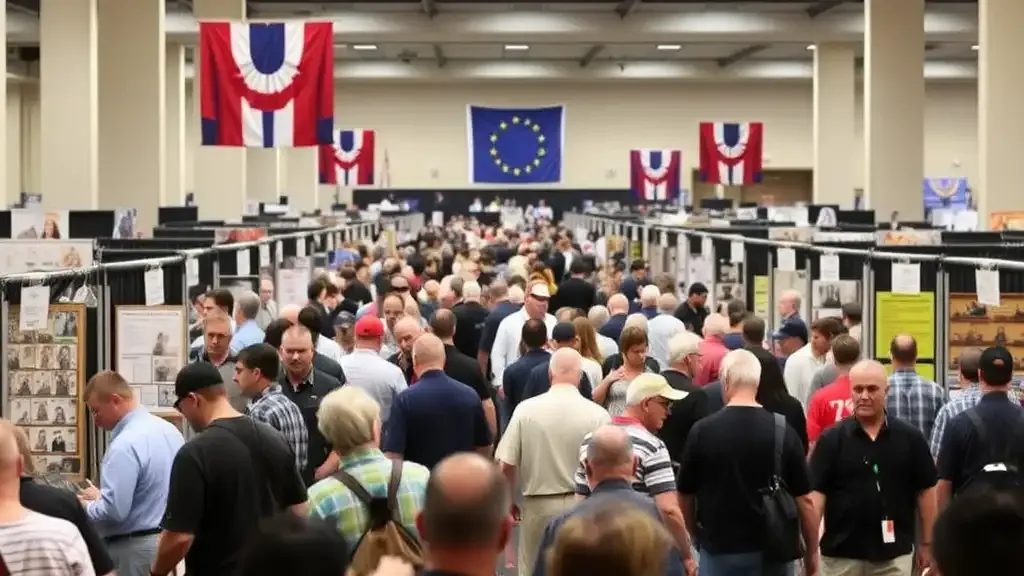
x=761 y=290
x=912 y=314
x=636 y=250
x=926 y=371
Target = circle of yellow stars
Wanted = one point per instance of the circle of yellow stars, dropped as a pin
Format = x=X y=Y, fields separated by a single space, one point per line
x=541 y=150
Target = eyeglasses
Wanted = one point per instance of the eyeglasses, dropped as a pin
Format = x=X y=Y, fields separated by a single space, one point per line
x=401 y=289
x=177 y=403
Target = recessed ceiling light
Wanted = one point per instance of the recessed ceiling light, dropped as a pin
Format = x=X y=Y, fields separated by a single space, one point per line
x=669 y=47
x=975 y=47
x=811 y=47
x=364 y=47
x=516 y=47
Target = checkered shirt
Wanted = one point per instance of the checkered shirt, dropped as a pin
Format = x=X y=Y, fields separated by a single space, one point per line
x=276 y=410
x=968 y=399
x=915 y=400
x=331 y=500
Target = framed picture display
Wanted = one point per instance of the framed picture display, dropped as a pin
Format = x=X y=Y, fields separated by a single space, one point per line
x=45 y=378
x=151 y=349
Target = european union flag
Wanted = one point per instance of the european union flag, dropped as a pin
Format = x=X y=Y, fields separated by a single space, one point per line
x=515 y=145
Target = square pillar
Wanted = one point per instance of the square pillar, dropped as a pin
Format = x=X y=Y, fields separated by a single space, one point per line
x=1000 y=118
x=834 y=112
x=894 y=107
x=302 y=177
x=220 y=172
x=132 y=107
x=263 y=174
x=68 y=94
x=174 y=191
x=13 y=156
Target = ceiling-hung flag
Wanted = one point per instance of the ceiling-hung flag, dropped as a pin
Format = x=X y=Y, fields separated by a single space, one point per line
x=348 y=159
x=731 y=153
x=515 y=145
x=654 y=175
x=268 y=85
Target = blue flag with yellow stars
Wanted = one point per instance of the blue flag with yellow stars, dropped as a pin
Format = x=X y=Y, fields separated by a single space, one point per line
x=515 y=145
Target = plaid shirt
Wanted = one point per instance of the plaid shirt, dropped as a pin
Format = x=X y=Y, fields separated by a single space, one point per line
x=330 y=498
x=914 y=400
x=274 y=409
x=968 y=399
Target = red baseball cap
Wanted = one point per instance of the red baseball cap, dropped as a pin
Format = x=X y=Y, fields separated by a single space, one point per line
x=369 y=327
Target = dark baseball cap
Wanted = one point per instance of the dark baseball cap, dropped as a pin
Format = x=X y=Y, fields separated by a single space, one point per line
x=996 y=366
x=195 y=377
x=791 y=328
x=563 y=332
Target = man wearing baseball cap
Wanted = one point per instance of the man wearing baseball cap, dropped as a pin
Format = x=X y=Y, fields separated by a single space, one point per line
x=986 y=435
x=790 y=337
x=539 y=381
x=506 y=341
x=365 y=368
x=224 y=482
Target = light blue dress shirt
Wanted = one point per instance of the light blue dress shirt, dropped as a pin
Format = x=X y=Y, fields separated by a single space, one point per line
x=246 y=335
x=135 y=474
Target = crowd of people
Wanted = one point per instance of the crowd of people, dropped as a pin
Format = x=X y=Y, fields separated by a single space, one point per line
x=425 y=403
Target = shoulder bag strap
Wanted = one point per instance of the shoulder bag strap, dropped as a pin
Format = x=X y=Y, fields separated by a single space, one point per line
x=780 y=437
x=396 y=516
x=353 y=485
x=980 y=429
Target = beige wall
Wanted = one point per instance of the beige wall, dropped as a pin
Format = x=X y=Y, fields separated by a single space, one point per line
x=424 y=127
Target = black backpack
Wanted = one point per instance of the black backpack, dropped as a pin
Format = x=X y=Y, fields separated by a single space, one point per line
x=1001 y=472
x=782 y=537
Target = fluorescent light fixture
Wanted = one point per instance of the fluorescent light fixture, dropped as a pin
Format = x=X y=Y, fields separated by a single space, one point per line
x=516 y=47
x=670 y=47
x=975 y=47
x=811 y=47
x=364 y=46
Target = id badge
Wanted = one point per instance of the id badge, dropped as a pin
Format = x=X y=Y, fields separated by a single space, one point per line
x=888 y=532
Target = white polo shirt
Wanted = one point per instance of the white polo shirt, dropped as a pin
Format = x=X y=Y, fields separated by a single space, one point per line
x=506 y=341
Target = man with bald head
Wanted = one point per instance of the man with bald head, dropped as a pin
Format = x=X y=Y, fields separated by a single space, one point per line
x=541 y=448
x=471 y=315
x=438 y=416
x=912 y=398
x=789 y=305
x=618 y=308
x=461 y=367
x=30 y=541
x=464 y=522
x=610 y=464
x=874 y=488
x=406 y=331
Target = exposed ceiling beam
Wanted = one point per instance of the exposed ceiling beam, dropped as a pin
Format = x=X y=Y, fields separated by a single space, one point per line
x=822 y=7
x=429 y=8
x=741 y=54
x=626 y=7
x=439 y=56
x=590 y=55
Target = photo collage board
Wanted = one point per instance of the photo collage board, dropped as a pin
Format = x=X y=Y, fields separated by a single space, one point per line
x=976 y=325
x=45 y=379
x=151 y=349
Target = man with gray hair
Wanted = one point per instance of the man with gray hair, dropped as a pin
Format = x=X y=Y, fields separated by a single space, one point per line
x=247 y=308
x=470 y=316
x=610 y=465
x=662 y=328
x=727 y=462
x=502 y=305
x=598 y=316
x=649 y=300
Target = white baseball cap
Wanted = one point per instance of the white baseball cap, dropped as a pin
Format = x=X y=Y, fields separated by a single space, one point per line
x=540 y=290
x=650 y=385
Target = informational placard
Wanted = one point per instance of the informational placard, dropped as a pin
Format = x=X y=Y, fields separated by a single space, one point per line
x=45 y=377
x=912 y=314
x=39 y=224
x=151 y=349
x=827 y=298
x=19 y=256
x=293 y=277
x=974 y=324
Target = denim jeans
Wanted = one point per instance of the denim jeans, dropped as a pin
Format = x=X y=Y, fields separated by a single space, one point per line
x=748 y=564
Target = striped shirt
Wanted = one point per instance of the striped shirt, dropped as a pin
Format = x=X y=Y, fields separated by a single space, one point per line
x=38 y=544
x=276 y=410
x=653 y=474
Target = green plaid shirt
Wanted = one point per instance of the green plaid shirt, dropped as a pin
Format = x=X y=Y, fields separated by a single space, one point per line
x=371 y=468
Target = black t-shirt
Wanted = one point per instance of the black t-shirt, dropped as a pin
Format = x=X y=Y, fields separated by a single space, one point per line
x=685 y=413
x=728 y=459
x=358 y=292
x=469 y=325
x=466 y=370
x=221 y=489
x=961 y=453
x=694 y=319
x=60 y=504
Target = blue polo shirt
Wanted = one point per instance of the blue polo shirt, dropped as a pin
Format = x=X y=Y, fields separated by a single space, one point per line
x=517 y=375
x=435 y=418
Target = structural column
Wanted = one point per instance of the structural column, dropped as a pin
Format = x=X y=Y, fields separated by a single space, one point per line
x=174 y=191
x=132 y=107
x=263 y=171
x=302 y=177
x=834 y=111
x=1000 y=117
x=894 y=107
x=12 y=159
x=220 y=173
x=69 y=122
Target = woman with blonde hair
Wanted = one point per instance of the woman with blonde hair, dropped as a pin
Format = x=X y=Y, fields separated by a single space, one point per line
x=616 y=539
x=587 y=338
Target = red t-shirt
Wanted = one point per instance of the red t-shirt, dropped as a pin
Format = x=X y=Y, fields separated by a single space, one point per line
x=828 y=406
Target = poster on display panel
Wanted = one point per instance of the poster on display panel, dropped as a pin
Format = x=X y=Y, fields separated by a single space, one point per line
x=45 y=378
x=151 y=349
x=976 y=325
x=828 y=298
x=38 y=224
x=292 y=280
x=20 y=256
